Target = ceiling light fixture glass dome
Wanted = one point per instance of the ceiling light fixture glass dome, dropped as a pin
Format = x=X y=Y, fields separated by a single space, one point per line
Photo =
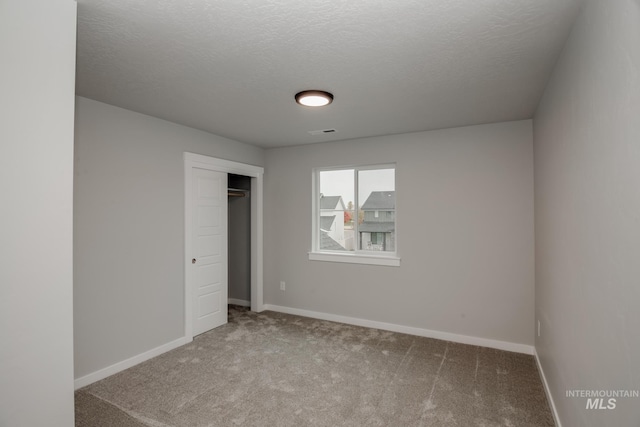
x=314 y=98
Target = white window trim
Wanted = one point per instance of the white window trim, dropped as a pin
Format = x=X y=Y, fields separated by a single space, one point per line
x=391 y=259
x=355 y=258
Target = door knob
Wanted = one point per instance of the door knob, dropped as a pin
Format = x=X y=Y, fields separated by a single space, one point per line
x=193 y=261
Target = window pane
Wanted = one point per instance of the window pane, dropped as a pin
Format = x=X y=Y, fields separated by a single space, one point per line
x=377 y=212
x=336 y=210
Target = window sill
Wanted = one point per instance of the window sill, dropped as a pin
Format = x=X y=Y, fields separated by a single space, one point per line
x=390 y=261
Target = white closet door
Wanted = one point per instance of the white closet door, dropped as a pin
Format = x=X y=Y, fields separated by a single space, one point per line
x=209 y=250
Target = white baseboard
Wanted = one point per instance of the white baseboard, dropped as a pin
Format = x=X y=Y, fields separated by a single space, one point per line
x=126 y=364
x=547 y=390
x=240 y=302
x=428 y=333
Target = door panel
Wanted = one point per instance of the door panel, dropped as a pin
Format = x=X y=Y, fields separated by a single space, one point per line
x=209 y=251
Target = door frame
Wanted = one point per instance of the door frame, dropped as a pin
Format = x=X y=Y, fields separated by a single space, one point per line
x=192 y=160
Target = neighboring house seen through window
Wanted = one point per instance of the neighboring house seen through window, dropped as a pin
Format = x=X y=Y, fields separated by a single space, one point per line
x=355 y=214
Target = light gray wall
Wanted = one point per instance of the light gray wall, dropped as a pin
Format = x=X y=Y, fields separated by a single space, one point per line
x=37 y=75
x=465 y=233
x=129 y=229
x=587 y=213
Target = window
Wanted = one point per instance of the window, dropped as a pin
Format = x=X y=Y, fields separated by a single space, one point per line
x=377 y=238
x=354 y=215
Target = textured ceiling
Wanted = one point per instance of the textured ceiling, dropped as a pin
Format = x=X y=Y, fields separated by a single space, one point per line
x=233 y=67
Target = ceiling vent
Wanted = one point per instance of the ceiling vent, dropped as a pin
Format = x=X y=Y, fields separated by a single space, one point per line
x=323 y=131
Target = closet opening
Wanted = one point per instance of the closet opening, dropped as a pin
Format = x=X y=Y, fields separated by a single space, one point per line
x=239 y=240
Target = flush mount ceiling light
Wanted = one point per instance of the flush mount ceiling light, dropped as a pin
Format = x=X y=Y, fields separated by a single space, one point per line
x=314 y=98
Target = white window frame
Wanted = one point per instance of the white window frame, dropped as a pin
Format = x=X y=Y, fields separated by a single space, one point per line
x=357 y=256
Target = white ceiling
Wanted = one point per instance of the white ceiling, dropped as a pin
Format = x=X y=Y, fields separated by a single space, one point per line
x=233 y=67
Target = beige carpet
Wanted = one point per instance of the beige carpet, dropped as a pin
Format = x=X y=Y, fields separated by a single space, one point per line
x=272 y=369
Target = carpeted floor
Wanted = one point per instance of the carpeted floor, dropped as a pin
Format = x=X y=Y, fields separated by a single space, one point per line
x=273 y=369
